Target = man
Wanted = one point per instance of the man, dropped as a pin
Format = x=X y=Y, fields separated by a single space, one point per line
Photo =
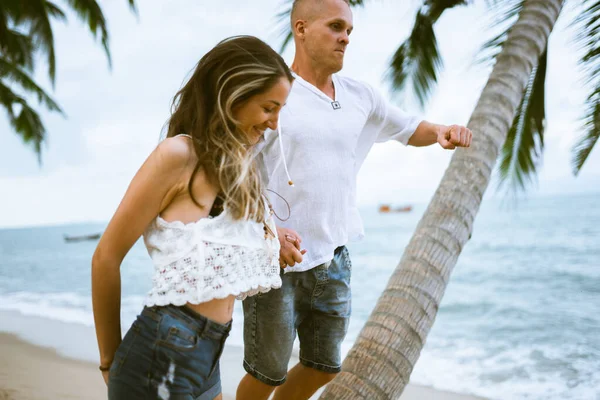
x=325 y=132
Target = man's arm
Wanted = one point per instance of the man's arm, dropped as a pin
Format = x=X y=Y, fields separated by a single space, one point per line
x=449 y=137
x=395 y=124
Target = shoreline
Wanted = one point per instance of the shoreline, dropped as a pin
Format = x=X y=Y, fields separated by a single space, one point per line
x=32 y=372
x=45 y=359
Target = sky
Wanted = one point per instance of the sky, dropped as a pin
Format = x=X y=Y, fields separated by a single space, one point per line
x=115 y=116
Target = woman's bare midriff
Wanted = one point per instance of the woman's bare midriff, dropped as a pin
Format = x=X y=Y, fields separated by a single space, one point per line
x=218 y=310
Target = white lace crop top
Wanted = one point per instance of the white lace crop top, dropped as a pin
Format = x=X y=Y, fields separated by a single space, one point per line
x=212 y=258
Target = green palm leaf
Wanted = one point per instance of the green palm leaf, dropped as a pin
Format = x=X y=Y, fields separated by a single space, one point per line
x=3 y=26
x=418 y=60
x=25 y=29
x=506 y=13
x=285 y=30
x=521 y=154
x=8 y=99
x=12 y=72
x=132 y=6
x=27 y=123
x=437 y=7
x=35 y=15
x=586 y=143
x=12 y=9
x=90 y=12
x=588 y=39
x=17 y=48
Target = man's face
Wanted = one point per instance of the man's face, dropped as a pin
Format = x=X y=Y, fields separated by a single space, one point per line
x=327 y=35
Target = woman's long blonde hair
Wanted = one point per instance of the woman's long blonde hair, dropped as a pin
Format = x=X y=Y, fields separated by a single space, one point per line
x=227 y=76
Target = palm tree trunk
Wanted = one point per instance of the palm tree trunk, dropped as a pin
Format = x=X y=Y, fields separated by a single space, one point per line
x=379 y=364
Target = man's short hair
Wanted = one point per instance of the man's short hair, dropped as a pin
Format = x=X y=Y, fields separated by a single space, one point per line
x=300 y=6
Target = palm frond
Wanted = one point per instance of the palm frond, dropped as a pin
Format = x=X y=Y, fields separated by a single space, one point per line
x=132 y=6
x=493 y=3
x=8 y=99
x=41 y=31
x=26 y=122
x=17 y=48
x=55 y=12
x=34 y=16
x=435 y=8
x=89 y=11
x=3 y=25
x=505 y=13
x=12 y=72
x=30 y=127
x=24 y=12
x=12 y=9
x=25 y=29
x=588 y=39
x=521 y=154
x=282 y=21
x=285 y=31
x=417 y=59
x=586 y=143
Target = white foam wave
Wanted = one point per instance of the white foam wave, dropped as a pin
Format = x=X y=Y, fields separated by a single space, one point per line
x=65 y=307
x=515 y=373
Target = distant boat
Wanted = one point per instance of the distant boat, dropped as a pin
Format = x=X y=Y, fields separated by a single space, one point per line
x=80 y=238
x=386 y=208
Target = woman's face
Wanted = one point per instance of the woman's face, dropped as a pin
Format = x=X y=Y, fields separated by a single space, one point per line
x=261 y=111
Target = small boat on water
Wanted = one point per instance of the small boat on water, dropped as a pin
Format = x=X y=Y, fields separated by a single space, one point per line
x=80 y=238
x=386 y=208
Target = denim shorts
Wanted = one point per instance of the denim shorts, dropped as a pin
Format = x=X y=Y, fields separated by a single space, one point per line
x=316 y=304
x=170 y=353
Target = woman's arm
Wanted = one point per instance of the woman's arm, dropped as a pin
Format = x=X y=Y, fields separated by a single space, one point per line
x=151 y=190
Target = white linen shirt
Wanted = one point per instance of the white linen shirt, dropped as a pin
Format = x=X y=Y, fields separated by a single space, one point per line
x=324 y=148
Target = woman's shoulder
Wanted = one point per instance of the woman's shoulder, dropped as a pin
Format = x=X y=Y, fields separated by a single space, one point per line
x=176 y=152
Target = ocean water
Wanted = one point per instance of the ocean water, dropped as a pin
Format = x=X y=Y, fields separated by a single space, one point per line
x=520 y=318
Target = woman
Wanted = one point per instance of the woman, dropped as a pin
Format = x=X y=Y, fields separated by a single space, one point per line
x=198 y=202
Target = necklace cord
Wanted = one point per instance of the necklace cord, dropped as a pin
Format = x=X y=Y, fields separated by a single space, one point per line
x=286 y=203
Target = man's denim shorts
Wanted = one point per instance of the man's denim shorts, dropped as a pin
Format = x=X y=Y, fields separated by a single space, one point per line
x=171 y=353
x=315 y=303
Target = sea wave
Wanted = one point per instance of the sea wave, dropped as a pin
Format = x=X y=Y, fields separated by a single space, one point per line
x=65 y=306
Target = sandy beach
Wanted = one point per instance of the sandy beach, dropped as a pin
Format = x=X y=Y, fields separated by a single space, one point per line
x=30 y=372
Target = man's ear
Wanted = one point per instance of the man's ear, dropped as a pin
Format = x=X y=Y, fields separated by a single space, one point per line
x=299 y=29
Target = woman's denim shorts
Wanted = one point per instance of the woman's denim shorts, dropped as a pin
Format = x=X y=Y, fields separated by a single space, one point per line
x=170 y=353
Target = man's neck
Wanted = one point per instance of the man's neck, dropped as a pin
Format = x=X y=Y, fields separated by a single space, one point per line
x=319 y=78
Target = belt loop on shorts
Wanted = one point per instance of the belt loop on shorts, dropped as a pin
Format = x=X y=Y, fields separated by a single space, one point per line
x=205 y=327
x=198 y=322
x=151 y=313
